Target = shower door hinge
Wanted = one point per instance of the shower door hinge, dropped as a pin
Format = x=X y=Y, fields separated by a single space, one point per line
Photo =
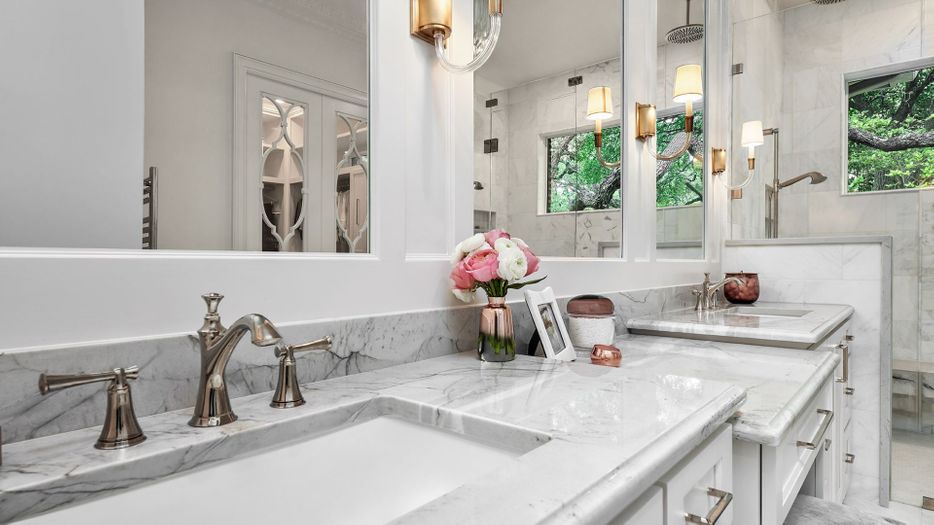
x=492 y=103
x=737 y=69
x=491 y=145
x=575 y=81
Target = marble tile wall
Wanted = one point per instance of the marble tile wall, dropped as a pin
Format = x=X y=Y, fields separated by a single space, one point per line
x=169 y=365
x=858 y=274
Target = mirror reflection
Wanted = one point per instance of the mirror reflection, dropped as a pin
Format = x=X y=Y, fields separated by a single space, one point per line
x=255 y=125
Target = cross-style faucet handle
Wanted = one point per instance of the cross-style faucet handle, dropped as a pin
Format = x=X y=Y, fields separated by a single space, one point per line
x=288 y=394
x=121 y=429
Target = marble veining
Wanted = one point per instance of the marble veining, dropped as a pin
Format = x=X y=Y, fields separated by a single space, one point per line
x=727 y=324
x=779 y=382
x=618 y=432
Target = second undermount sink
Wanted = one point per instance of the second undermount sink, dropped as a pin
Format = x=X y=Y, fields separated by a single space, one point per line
x=370 y=471
x=767 y=312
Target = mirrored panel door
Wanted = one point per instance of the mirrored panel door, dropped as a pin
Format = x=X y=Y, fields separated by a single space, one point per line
x=206 y=125
x=539 y=173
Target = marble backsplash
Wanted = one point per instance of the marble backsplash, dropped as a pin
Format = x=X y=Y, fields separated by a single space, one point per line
x=169 y=365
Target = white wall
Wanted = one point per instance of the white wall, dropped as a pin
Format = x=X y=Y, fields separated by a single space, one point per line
x=189 y=99
x=62 y=296
x=71 y=104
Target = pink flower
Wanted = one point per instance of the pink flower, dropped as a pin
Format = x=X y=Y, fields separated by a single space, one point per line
x=532 y=258
x=482 y=265
x=493 y=235
x=461 y=278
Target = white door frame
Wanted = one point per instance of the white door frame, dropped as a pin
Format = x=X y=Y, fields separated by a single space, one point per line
x=244 y=68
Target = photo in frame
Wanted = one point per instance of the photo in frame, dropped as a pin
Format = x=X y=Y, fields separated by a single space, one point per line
x=550 y=325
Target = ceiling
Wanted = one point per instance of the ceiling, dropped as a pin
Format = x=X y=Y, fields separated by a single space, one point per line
x=542 y=38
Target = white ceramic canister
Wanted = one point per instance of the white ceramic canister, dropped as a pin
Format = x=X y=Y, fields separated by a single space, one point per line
x=591 y=321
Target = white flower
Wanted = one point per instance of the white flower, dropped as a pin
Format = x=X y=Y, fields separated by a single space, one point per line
x=519 y=242
x=466 y=296
x=473 y=243
x=467 y=246
x=512 y=265
x=503 y=245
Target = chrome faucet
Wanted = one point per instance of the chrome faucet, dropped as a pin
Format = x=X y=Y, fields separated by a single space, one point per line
x=707 y=295
x=217 y=344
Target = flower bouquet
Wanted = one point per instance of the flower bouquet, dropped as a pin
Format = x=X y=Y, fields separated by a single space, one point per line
x=495 y=262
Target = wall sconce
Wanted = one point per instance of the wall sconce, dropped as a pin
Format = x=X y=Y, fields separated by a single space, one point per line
x=600 y=107
x=751 y=138
x=430 y=20
x=688 y=89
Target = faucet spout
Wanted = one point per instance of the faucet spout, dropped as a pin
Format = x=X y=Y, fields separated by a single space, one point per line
x=217 y=345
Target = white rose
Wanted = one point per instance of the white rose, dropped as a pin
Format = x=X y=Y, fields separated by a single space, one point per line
x=504 y=245
x=466 y=296
x=519 y=242
x=458 y=254
x=512 y=265
x=473 y=243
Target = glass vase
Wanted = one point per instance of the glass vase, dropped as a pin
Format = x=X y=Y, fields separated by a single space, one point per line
x=497 y=343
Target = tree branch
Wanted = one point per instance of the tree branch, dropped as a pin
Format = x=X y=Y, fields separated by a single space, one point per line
x=899 y=143
x=913 y=90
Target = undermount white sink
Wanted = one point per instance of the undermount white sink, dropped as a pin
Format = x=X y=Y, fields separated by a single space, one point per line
x=767 y=312
x=369 y=472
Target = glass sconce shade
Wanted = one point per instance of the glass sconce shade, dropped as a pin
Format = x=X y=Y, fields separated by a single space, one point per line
x=689 y=84
x=599 y=103
x=752 y=134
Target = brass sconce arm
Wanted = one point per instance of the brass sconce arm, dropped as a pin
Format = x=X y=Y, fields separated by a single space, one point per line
x=598 y=144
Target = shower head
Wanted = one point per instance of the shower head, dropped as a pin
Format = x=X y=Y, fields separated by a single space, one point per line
x=688 y=32
x=816 y=178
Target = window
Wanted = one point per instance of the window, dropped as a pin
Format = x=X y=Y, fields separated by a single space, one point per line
x=679 y=182
x=891 y=132
x=576 y=179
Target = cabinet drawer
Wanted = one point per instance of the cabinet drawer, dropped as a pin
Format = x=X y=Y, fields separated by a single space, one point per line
x=700 y=487
x=785 y=467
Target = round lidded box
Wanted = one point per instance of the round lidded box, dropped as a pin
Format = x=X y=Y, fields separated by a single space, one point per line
x=591 y=321
x=748 y=293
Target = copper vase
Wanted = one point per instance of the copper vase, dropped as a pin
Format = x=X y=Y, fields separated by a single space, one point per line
x=497 y=343
x=746 y=294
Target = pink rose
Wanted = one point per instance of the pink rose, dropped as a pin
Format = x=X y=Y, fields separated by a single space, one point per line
x=482 y=265
x=532 y=258
x=461 y=278
x=493 y=235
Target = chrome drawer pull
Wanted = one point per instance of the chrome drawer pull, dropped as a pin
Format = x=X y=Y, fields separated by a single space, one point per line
x=849 y=458
x=723 y=501
x=828 y=417
x=845 y=350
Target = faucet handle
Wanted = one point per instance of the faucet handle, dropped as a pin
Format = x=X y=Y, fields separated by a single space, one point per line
x=121 y=429
x=288 y=394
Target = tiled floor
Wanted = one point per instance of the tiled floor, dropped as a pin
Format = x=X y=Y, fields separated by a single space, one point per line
x=912 y=467
x=907 y=514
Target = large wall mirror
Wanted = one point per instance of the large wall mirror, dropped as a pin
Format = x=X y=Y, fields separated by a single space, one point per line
x=538 y=173
x=256 y=137
x=547 y=134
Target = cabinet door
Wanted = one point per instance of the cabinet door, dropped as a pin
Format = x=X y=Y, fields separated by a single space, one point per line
x=649 y=509
x=701 y=486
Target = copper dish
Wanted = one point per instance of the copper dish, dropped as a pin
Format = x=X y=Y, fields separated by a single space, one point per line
x=606 y=355
x=745 y=294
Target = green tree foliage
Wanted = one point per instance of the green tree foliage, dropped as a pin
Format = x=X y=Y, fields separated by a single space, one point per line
x=577 y=181
x=682 y=182
x=575 y=173
x=899 y=108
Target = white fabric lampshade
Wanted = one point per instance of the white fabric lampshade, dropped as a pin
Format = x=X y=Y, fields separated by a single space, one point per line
x=689 y=84
x=599 y=103
x=752 y=134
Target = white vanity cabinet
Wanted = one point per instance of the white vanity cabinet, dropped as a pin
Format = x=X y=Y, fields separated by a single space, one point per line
x=697 y=490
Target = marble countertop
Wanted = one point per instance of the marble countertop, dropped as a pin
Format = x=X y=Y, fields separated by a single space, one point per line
x=779 y=382
x=728 y=325
x=617 y=430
